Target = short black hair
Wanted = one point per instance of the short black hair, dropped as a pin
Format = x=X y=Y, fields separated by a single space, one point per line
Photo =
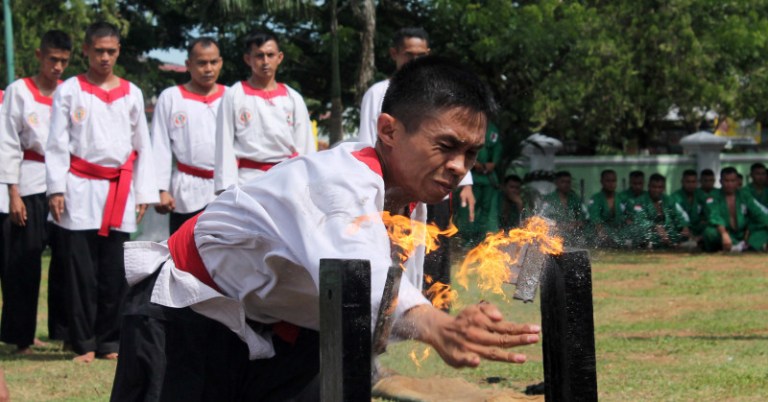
x=709 y=172
x=689 y=172
x=410 y=32
x=607 y=172
x=512 y=177
x=740 y=176
x=727 y=170
x=636 y=173
x=101 y=29
x=258 y=38
x=203 y=41
x=755 y=166
x=55 y=39
x=431 y=83
x=562 y=173
x=656 y=177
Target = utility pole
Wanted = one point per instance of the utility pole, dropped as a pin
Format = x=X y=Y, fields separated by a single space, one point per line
x=11 y=70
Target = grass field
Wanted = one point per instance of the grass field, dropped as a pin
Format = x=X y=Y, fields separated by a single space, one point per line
x=669 y=327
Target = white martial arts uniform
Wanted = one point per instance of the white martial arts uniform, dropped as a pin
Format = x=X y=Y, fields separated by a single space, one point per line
x=103 y=128
x=24 y=124
x=261 y=126
x=262 y=243
x=184 y=126
x=370 y=109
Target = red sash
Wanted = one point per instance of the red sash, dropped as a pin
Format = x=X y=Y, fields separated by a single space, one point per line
x=119 y=187
x=30 y=155
x=186 y=258
x=194 y=171
x=264 y=166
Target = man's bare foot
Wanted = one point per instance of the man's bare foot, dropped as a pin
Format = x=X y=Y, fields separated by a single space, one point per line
x=40 y=344
x=23 y=350
x=109 y=356
x=85 y=358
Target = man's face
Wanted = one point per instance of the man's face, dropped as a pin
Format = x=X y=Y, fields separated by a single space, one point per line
x=512 y=189
x=264 y=60
x=759 y=177
x=729 y=183
x=689 y=184
x=53 y=62
x=563 y=184
x=608 y=182
x=428 y=164
x=204 y=65
x=708 y=183
x=656 y=189
x=412 y=48
x=102 y=54
x=636 y=185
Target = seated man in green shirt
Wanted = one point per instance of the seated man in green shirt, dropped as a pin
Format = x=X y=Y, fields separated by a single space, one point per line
x=663 y=221
x=511 y=202
x=633 y=235
x=757 y=188
x=729 y=214
x=605 y=212
x=692 y=204
x=565 y=208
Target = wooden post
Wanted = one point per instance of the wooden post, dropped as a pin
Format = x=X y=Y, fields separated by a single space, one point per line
x=568 y=329
x=345 y=330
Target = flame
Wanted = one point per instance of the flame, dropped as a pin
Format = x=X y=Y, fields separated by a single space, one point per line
x=490 y=260
x=441 y=295
x=416 y=360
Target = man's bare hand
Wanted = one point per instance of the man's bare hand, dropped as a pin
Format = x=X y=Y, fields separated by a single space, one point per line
x=727 y=242
x=478 y=332
x=18 y=210
x=140 y=210
x=56 y=206
x=467 y=198
x=167 y=203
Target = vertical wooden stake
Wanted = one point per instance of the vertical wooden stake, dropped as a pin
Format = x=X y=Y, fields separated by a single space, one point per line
x=345 y=330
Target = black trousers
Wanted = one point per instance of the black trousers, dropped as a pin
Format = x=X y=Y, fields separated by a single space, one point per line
x=177 y=219
x=4 y=229
x=437 y=264
x=21 y=285
x=95 y=290
x=57 y=286
x=169 y=354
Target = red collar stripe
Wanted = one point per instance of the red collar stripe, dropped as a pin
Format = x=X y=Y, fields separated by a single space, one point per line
x=110 y=96
x=281 y=90
x=207 y=99
x=39 y=98
x=369 y=157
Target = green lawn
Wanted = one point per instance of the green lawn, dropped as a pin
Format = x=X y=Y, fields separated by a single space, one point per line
x=672 y=327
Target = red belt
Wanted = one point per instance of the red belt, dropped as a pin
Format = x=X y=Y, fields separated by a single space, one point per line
x=30 y=155
x=186 y=258
x=119 y=187
x=264 y=166
x=194 y=171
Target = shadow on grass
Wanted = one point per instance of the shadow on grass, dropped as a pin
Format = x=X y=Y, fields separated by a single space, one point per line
x=38 y=357
x=702 y=337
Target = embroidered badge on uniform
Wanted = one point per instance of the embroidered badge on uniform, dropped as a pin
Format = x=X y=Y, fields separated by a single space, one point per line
x=32 y=120
x=289 y=118
x=494 y=136
x=79 y=115
x=179 y=119
x=244 y=116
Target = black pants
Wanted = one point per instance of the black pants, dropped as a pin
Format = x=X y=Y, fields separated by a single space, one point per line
x=21 y=285
x=177 y=219
x=95 y=290
x=169 y=354
x=437 y=264
x=57 y=286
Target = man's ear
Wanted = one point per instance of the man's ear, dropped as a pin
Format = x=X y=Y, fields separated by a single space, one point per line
x=386 y=126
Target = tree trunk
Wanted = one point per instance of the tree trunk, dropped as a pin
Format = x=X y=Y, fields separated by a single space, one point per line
x=336 y=129
x=366 y=13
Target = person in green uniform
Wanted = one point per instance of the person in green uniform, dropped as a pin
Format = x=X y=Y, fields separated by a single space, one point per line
x=565 y=208
x=663 y=221
x=632 y=234
x=485 y=189
x=729 y=212
x=691 y=204
x=706 y=185
x=605 y=214
x=757 y=188
x=511 y=202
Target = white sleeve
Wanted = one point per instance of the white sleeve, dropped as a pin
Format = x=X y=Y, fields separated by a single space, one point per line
x=144 y=181
x=11 y=124
x=467 y=180
x=369 y=115
x=302 y=128
x=225 y=168
x=161 y=142
x=57 y=147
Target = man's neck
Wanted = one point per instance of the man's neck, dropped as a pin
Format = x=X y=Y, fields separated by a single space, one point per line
x=198 y=89
x=101 y=80
x=609 y=194
x=44 y=84
x=265 y=84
